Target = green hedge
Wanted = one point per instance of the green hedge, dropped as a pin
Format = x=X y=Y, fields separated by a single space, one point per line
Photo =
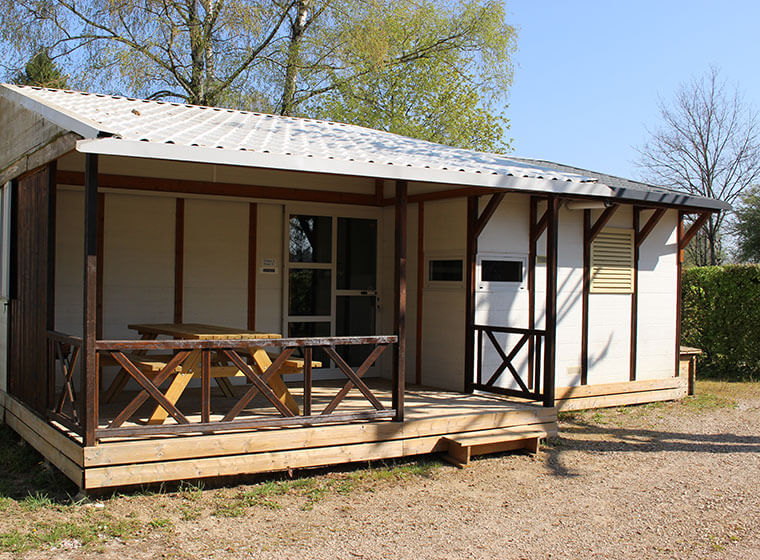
x=721 y=315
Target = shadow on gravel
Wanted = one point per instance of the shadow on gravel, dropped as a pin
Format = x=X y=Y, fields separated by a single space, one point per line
x=607 y=439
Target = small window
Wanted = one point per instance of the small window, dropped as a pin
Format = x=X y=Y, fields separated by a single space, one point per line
x=612 y=262
x=445 y=270
x=501 y=272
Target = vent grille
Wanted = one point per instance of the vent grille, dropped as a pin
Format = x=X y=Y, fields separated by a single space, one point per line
x=612 y=262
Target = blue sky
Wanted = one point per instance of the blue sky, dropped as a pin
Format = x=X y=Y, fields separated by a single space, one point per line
x=588 y=73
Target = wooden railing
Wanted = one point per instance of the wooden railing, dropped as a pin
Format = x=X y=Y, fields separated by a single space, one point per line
x=197 y=359
x=529 y=344
x=64 y=363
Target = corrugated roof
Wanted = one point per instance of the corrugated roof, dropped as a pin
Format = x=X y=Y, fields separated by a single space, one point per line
x=136 y=127
x=627 y=188
x=213 y=127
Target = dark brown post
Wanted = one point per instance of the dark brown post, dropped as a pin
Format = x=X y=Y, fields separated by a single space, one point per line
x=469 y=326
x=585 y=293
x=399 y=356
x=179 y=259
x=253 y=216
x=89 y=391
x=551 y=301
x=420 y=284
x=679 y=267
x=532 y=250
x=50 y=324
x=635 y=295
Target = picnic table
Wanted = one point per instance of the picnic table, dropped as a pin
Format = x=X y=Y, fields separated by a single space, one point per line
x=191 y=366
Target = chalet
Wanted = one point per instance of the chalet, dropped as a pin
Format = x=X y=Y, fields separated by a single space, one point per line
x=194 y=292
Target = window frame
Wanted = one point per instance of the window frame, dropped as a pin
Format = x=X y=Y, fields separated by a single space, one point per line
x=492 y=286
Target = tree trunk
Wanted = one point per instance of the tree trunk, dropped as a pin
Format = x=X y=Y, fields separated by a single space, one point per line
x=297 y=30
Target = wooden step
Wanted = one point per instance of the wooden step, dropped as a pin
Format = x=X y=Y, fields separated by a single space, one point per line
x=463 y=446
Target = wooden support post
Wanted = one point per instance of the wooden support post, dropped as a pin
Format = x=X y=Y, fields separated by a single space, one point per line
x=101 y=253
x=253 y=218
x=50 y=322
x=679 y=266
x=469 y=330
x=552 y=235
x=399 y=356
x=89 y=391
x=585 y=295
x=179 y=259
x=420 y=284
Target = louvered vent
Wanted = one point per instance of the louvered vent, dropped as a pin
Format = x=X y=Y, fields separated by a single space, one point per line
x=612 y=262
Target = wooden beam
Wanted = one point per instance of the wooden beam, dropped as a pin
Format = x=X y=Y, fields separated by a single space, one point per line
x=602 y=221
x=253 y=220
x=488 y=212
x=379 y=192
x=399 y=361
x=635 y=294
x=219 y=189
x=552 y=236
x=653 y=220
x=540 y=227
x=89 y=391
x=443 y=195
x=420 y=284
x=179 y=259
x=679 y=271
x=693 y=229
x=50 y=314
x=471 y=253
x=532 y=253
x=101 y=260
x=585 y=290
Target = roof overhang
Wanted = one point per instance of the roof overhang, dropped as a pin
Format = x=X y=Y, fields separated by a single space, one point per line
x=253 y=159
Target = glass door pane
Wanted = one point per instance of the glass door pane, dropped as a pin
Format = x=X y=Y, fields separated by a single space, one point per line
x=355 y=316
x=357 y=254
x=310 y=239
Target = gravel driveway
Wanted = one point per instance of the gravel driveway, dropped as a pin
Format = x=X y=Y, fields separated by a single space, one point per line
x=676 y=480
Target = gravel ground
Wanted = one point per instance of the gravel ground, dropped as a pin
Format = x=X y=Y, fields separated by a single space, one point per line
x=676 y=480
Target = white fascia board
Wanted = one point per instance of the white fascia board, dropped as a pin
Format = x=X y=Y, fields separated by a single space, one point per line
x=57 y=115
x=247 y=158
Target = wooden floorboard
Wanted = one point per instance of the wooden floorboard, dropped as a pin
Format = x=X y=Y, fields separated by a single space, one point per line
x=431 y=414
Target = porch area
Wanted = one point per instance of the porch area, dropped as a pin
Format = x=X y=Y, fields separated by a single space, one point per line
x=433 y=420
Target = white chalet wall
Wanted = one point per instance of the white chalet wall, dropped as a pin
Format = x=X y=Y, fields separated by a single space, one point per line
x=138 y=267
x=69 y=261
x=216 y=262
x=443 y=312
x=657 y=300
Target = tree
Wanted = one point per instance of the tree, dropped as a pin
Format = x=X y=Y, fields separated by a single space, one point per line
x=41 y=71
x=707 y=145
x=747 y=225
x=294 y=57
x=446 y=95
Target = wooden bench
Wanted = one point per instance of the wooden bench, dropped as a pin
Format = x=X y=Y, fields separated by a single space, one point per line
x=463 y=446
x=151 y=365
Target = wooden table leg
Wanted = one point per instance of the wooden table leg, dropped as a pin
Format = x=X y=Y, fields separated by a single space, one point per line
x=275 y=382
x=177 y=386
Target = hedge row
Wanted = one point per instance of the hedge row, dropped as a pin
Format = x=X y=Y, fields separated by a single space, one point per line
x=721 y=315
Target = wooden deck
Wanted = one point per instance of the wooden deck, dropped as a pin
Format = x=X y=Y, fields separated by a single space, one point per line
x=431 y=416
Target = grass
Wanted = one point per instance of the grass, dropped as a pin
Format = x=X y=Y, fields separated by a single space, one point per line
x=90 y=530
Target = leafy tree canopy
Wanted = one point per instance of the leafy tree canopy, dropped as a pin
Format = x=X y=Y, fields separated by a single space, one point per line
x=747 y=225
x=434 y=69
